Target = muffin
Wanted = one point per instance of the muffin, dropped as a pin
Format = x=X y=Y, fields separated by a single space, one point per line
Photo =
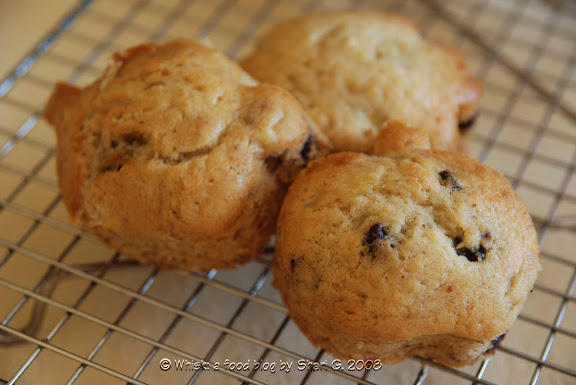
x=354 y=70
x=423 y=253
x=178 y=158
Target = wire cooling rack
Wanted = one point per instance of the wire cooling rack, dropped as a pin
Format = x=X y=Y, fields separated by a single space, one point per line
x=73 y=311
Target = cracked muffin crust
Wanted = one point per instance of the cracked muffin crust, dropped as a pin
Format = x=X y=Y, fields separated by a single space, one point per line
x=177 y=157
x=423 y=253
x=355 y=70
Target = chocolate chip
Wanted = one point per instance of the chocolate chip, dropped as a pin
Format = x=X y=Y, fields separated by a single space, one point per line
x=292 y=263
x=375 y=233
x=498 y=340
x=307 y=147
x=476 y=254
x=448 y=180
x=467 y=123
x=495 y=343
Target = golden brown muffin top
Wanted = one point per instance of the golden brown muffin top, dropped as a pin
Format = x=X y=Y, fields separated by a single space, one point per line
x=356 y=69
x=393 y=248
x=172 y=138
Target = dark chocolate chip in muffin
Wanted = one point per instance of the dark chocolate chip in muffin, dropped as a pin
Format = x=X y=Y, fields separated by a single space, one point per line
x=476 y=254
x=448 y=180
x=495 y=343
x=307 y=147
x=467 y=123
x=375 y=233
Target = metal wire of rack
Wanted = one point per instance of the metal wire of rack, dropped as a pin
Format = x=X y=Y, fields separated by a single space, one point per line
x=73 y=311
